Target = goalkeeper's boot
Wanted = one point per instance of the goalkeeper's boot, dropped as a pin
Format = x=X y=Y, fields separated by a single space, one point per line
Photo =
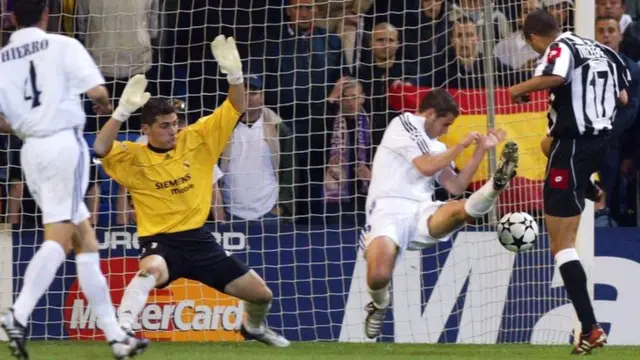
x=129 y=347
x=595 y=338
x=374 y=321
x=507 y=166
x=15 y=333
x=265 y=336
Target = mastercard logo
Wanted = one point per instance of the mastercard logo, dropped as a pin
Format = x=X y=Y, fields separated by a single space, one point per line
x=184 y=311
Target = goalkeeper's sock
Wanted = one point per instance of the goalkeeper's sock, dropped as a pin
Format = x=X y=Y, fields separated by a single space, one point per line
x=135 y=297
x=481 y=201
x=256 y=313
x=39 y=275
x=575 y=281
x=380 y=297
x=95 y=288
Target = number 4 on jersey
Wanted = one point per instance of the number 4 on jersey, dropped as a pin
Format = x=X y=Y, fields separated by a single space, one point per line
x=35 y=93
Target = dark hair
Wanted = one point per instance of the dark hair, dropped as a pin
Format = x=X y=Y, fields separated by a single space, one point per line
x=29 y=12
x=541 y=23
x=181 y=109
x=441 y=102
x=605 y=18
x=464 y=20
x=154 y=108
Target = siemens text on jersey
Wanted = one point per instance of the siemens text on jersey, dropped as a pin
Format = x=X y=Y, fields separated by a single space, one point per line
x=18 y=52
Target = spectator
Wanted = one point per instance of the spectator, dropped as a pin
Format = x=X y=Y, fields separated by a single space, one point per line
x=118 y=35
x=474 y=10
x=607 y=32
x=616 y=10
x=302 y=65
x=514 y=51
x=259 y=163
x=425 y=35
x=466 y=69
x=384 y=70
x=346 y=172
x=345 y=18
x=562 y=10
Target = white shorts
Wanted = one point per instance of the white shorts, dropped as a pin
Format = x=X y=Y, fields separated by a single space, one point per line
x=402 y=220
x=56 y=170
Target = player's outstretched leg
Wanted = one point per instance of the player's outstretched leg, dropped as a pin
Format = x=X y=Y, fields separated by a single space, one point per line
x=381 y=254
x=482 y=201
x=256 y=297
x=95 y=288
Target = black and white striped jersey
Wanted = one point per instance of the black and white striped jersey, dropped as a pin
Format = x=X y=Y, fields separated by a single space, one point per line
x=594 y=77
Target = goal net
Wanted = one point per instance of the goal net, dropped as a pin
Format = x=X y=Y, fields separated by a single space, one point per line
x=309 y=163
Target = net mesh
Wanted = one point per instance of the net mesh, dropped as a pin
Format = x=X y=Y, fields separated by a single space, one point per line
x=333 y=75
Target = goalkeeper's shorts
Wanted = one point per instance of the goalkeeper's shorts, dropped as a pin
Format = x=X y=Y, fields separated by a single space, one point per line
x=195 y=255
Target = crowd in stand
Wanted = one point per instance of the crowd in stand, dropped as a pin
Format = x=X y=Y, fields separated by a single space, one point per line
x=318 y=78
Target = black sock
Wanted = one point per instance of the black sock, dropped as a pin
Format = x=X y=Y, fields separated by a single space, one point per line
x=575 y=281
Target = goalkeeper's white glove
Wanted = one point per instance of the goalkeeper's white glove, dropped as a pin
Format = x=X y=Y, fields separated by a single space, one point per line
x=226 y=54
x=133 y=97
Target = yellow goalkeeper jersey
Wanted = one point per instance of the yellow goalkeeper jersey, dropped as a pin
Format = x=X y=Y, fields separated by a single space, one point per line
x=171 y=191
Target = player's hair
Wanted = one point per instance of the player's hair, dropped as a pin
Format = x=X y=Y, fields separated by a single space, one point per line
x=154 y=108
x=540 y=22
x=605 y=18
x=441 y=101
x=464 y=20
x=29 y=12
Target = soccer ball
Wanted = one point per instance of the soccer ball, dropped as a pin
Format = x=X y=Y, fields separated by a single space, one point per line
x=518 y=231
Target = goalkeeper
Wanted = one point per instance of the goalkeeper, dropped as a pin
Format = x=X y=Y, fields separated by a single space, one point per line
x=170 y=183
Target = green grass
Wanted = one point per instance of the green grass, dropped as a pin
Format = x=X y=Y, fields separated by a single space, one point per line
x=65 y=350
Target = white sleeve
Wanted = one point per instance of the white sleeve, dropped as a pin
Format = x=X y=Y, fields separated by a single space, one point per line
x=217 y=174
x=407 y=140
x=80 y=69
x=557 y=60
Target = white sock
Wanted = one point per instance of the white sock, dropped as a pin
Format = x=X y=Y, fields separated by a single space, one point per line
x=256 y=313
x=380 y=297
x=481 y=201
x=95 y=288
x=566 y=255
x=39 y=275
x=135 y=297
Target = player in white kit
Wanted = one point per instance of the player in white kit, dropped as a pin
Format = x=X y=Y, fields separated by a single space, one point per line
x=42 y=78
x=401 y=211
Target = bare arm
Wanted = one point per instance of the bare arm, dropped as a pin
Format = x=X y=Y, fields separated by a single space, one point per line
x=456 y=184
x=623 y=97
x=100 y=96
x=537 y=83
x=4 y=125
x=430 y=164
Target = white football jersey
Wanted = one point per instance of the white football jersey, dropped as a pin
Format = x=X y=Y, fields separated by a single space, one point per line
x=43 y=76
x=393 y=173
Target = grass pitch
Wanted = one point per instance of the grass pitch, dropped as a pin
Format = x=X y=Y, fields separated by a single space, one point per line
x=65 y=350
